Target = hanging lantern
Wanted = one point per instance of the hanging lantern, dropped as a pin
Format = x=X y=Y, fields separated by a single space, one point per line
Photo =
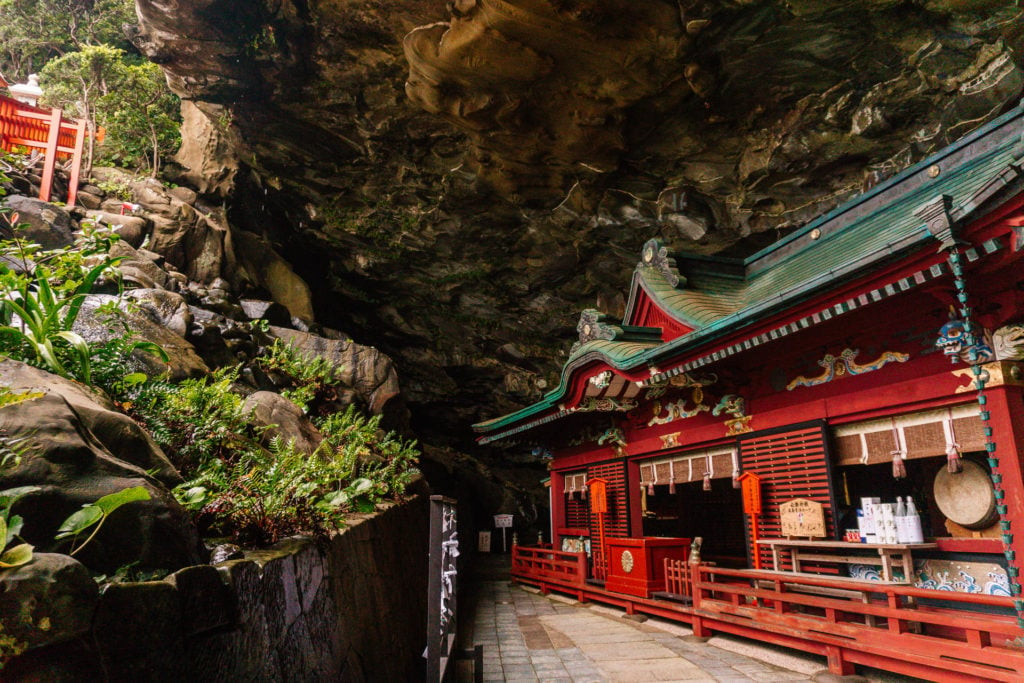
x=583 y=492
x=707 y=481
x=650 y=488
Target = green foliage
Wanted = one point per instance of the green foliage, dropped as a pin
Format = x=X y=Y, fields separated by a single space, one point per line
x=13 y=554
x=126 y=96
x=35 y=31
x=259 y=494
x=384 y=227
x=198 y=422
x=314 y=379
x=41 y=296
x=115 y=188
x=269 y=493
x=13 y=449
x=91 y=515
x=44 y=320
x=94 y=514
x=10 y=646
x=130 y=573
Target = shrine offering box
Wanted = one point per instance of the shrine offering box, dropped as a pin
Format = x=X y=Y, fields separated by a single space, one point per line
x=636 y=566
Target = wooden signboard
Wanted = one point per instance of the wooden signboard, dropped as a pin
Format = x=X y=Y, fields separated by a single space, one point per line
x=751 y=488
x=598 y=496
x=802 y=517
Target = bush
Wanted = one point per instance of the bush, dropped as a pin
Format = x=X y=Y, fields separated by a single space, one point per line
x=314 y=379
x=257 y=495
x=41 y=295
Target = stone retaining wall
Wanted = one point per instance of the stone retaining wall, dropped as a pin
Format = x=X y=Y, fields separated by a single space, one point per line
x=350 y=609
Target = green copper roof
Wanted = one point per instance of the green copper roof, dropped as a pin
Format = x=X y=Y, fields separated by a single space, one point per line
x=716 y=296
x=614 y=353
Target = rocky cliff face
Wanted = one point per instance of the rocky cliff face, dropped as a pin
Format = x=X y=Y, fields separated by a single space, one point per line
x=456 y=183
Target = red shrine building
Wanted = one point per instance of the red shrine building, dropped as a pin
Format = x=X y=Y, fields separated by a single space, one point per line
x=819 y=446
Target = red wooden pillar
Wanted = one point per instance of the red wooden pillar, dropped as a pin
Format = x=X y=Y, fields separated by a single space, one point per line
x=1006 y=417
x=635 y=498
x=76 y=162
x=557 y=499
x=50 y=162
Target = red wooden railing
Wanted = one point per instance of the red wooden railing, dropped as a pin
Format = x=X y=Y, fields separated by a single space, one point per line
x=936 y=635
x=22 y=125
x=678 y=578
x=545 y=565
x=864 y=622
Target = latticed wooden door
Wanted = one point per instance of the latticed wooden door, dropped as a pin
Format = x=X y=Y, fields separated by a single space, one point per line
x=792 y=464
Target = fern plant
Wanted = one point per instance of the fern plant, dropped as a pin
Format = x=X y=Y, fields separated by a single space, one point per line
x=314 y=379
x=263 y=494
x=198 y=421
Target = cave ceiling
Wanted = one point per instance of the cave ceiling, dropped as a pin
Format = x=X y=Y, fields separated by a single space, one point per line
x=456 y=181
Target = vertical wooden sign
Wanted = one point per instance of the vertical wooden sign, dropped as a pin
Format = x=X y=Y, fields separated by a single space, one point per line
x=599 y=506
x=750 y=485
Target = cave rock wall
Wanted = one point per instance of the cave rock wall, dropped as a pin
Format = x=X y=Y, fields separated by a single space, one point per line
x=350 y=609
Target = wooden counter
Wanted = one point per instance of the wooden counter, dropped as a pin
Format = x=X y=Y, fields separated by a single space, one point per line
x=837 y=551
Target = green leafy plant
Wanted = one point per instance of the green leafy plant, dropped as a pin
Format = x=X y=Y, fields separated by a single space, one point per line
x=121 y=93
x=42 y=294
x=44 y=318
x=314 y=379
x=92 y=516
x=262 y=494
x=116 y=188
x=13 y=449
x=198 y=422
x=13 y=554
x=130 y=573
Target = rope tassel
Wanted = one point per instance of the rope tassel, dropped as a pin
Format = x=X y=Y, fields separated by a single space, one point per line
x=954 y=460
x=899 y=467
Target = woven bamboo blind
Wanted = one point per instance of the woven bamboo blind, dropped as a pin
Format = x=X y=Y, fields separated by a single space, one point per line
x=686 y=467
x=574 y=482
x=918 y=435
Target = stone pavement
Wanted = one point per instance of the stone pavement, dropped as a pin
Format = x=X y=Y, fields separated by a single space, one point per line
x=529 y=637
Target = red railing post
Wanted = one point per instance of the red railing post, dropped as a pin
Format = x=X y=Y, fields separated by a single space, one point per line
x=76 y=162
x=50 y=162
x=6 y=112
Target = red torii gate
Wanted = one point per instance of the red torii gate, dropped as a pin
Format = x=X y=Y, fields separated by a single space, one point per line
x=22 y=125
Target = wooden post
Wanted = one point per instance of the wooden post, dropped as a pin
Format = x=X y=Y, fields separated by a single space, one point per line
x=50 y=162
x=6 y=112
x=76 y=162
x=837 y=664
